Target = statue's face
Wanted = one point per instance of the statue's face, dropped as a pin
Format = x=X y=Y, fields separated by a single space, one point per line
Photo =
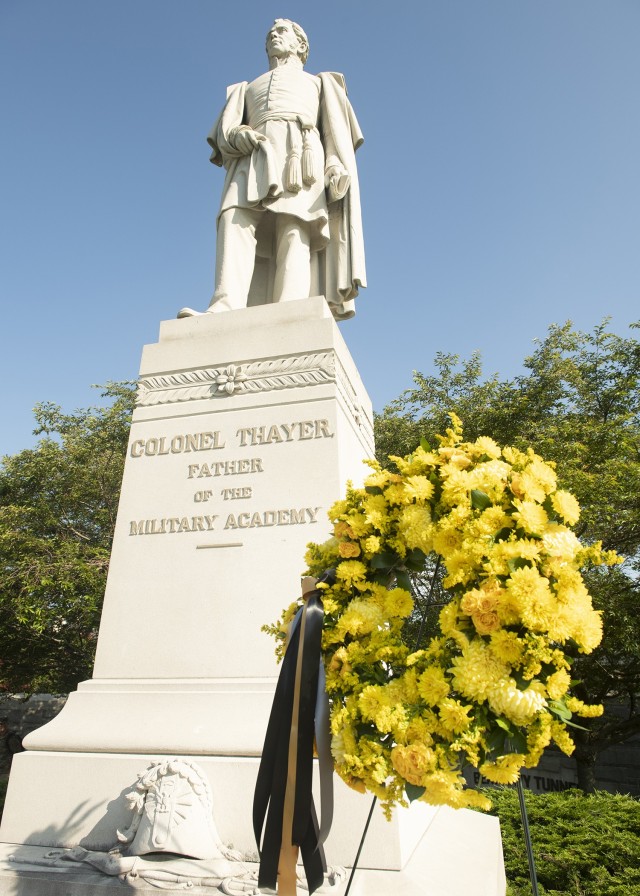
x=282 y=40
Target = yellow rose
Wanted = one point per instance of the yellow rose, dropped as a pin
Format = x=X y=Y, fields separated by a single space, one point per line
x=413 y=762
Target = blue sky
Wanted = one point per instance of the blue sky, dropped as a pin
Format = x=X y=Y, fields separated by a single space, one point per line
x=500 y=177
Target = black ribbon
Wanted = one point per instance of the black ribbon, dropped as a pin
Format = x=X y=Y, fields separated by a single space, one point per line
x=271 y=784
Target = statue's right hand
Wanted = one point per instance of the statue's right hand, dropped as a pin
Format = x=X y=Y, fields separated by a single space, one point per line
x=246 y=140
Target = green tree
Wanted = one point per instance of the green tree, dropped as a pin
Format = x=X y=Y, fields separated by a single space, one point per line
x=58 y=504
x=576 y=404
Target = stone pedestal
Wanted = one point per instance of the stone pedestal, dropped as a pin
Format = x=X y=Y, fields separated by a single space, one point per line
x=247 y=428
x=240 y=443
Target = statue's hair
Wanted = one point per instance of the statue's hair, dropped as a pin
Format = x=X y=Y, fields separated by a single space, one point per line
x=299 y=32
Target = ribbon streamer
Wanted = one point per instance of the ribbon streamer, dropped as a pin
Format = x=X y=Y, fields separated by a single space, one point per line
x=283 y=793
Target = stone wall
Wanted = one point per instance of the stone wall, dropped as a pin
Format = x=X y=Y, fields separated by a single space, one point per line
x=27 y=714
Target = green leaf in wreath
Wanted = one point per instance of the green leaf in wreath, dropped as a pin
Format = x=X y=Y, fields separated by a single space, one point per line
x=373 y=490
x=502 y=534
x=424 y=444
x=415 y=560
x=502 y=723
x=496 y=742
x=559 y=709
x=384 y=560
x=517 y=563
x=518 y=742
x=413 y=791
x=479 y=500
x=403 y=580
x=574 y=725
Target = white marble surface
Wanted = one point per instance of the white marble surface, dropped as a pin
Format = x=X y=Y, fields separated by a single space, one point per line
x=182 y=668
x=240 y=482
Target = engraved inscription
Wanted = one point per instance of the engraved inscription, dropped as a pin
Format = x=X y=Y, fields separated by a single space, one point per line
x=207 y=468
x=196 y=441
x=172 y=525
x=232 y=494
x=284 y=432
x=251 y=520
x=226 y=468
x=289 y=517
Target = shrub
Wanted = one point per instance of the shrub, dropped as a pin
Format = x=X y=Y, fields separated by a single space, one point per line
x=582 y=845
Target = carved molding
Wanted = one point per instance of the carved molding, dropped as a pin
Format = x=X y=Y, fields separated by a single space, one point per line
x=237 y=379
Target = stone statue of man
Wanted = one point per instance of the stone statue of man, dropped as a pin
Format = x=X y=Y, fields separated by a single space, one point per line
x=289 y=225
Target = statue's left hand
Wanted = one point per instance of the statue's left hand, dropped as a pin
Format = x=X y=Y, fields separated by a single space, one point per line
x=332 y=172
x=337 y=182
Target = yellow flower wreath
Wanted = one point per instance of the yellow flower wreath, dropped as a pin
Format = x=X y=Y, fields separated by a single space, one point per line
x=492 y=688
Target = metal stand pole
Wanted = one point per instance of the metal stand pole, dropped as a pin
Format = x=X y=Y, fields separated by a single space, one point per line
x=527 y=838
x=364 y=834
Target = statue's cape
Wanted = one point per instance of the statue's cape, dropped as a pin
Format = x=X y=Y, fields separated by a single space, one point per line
x=339 y=268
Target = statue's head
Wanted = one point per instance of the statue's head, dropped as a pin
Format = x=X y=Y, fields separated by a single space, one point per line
x=287 y=38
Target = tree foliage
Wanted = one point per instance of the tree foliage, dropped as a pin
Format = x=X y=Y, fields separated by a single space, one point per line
x=58 y=504
x=577 y=404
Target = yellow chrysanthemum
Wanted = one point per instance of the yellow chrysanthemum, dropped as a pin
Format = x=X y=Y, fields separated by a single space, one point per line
x=433 y=686
x=376 y=511
x=506 y=699
x=418 y=488
x=507 y=647
x=372 y=544
x=456 y=486
x=420 y=731
x=529 y=596
x=351 y=571
x=447 y=539
x=491 y=521
x=505 y=769
x=454 y=716
x=380 y=479
x=358 y=525
x=397 y=494
x=414 y=525
x=587 y=629
x=566 y=506
x=531 y=516
x=514 y=457
x=397 y=603
x=477 y=671
x=527 y=488
x=560 y=542
x=360 y=617
x=443 y=788
x=485 y=445
x=543 y=473
x=490 y=477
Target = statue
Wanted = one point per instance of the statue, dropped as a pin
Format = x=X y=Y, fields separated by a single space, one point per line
x=289 y=225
